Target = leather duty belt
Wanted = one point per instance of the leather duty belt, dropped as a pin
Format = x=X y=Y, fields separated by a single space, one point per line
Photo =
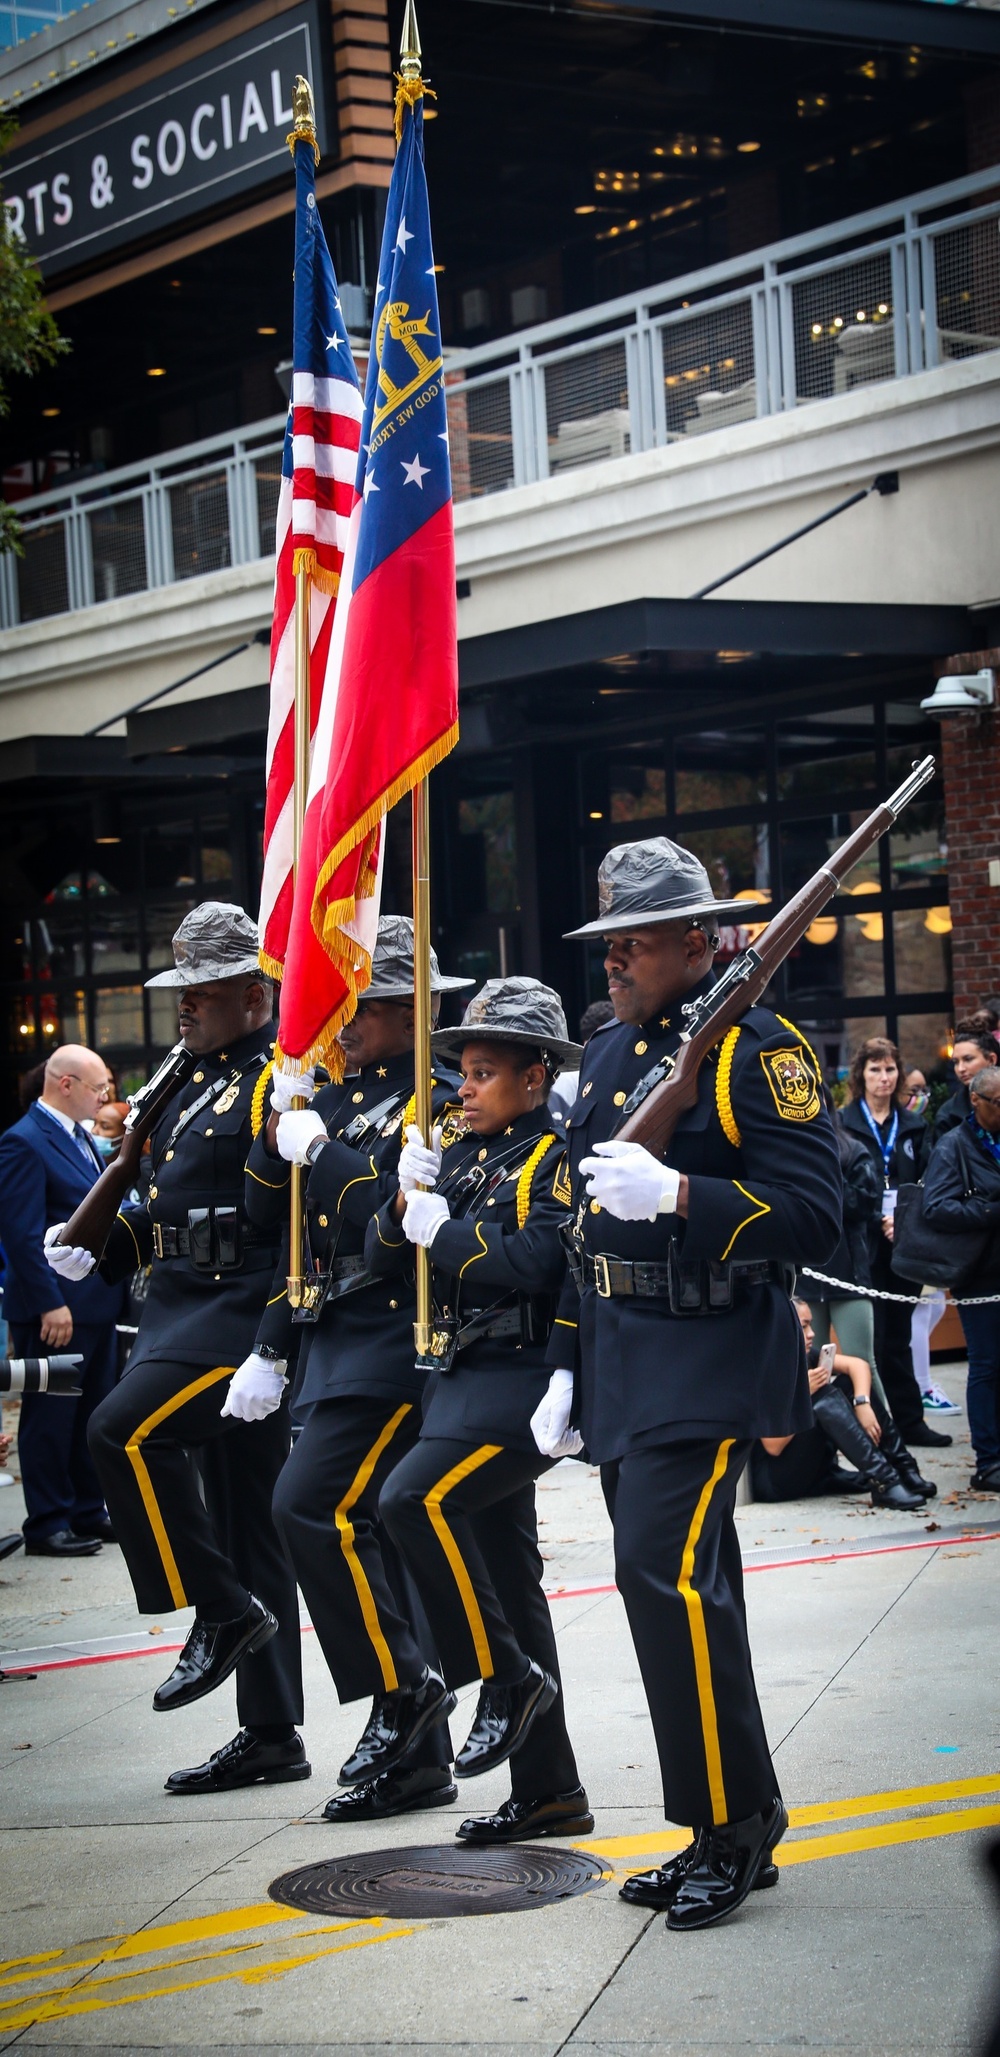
x=180 y=1242
x=695 y=1288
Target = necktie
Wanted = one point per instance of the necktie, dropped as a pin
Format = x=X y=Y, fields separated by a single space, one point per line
x=85 y=1145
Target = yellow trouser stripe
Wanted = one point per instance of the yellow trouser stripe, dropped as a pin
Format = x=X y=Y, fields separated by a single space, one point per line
x=145 y=1483
x=699 y=1640
x=432 y=1502
x=345 y=1530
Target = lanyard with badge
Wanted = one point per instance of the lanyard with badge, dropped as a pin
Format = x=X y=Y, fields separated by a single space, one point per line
x=886 y=1147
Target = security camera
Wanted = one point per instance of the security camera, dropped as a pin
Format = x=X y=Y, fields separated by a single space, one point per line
x=965 y=693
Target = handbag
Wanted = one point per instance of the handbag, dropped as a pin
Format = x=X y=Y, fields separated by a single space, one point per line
x=926 y=1256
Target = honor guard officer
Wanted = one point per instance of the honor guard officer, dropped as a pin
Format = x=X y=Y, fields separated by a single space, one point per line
x=211 y=1274
x=358 y=1391
x=689 y=1347
x=462 y=1504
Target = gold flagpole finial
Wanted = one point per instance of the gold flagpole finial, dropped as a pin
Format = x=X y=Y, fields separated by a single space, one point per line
x=303 y=128
x=409 y=47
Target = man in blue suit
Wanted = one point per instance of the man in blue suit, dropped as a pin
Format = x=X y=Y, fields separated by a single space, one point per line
x=47 y=1164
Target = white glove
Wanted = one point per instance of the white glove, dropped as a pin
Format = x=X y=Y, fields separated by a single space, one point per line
x=287 y=1086
x=295 y=1131
x=418 y=1165
x=423 y=1217
x=550 y=1422
x=67 y=1260
x=255 y=1390
x=630 y=1182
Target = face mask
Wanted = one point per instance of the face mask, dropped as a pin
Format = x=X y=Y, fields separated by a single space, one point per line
x=918 y=1100
x=106 y=1146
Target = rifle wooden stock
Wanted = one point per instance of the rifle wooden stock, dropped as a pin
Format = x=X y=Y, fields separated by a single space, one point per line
x=90 y=1226
x=655 y=1120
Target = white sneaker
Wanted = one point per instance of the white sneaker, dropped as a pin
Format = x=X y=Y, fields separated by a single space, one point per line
x=937 y=1402
x=6 y=1478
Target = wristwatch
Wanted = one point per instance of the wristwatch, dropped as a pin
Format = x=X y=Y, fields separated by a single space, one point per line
x=861 y=1400
x=318 y=1143
x=269 y=1355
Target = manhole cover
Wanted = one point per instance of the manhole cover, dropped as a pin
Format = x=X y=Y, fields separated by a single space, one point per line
x=436 y=1879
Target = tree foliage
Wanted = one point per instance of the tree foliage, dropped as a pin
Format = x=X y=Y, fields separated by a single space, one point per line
x=29 y=337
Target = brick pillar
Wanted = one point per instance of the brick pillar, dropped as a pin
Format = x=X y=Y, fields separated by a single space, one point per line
x=970 y=758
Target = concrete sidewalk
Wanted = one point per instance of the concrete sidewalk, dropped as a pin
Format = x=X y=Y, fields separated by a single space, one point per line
x=135 y=1921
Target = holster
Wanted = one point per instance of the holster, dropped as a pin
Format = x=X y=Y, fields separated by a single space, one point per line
x=215 y=1243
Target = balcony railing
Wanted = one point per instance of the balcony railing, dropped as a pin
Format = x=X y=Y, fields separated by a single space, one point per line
x=880 y=296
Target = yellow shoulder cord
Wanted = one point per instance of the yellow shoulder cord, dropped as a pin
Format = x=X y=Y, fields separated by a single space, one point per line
x=410 y=1110
x=257 y=1103
x=723 y=1099
x=804 y=1040
x=527 y=1174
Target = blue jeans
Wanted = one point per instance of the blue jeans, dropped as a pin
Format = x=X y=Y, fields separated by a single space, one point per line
x=981 y=1326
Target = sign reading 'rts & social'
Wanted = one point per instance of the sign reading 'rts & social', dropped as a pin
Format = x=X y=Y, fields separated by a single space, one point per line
x=212 y=128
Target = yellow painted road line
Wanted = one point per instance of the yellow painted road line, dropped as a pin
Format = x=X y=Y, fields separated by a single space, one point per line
x=34 y=2012
x=806 y=1817
x=147 y=1970
x=882 y=1835
x=171 y=1935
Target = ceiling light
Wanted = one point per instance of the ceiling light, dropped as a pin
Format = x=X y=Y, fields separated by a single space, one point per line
x=587 y=208
x=267 y=332
x=50 y=413
x=746 y=149
x=437 y=267
x=173 y=282
x=157 y=371
x=596 y=814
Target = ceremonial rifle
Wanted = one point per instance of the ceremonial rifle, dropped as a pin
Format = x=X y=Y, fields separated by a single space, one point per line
x=90 y=1227
x=654 y=1108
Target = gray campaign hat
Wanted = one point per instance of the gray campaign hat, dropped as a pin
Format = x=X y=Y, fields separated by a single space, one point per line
x=656 y=880
x=392 y=964
x=514 y=1010
x=217 y=940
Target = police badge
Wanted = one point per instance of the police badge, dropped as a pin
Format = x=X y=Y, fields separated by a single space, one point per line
x=793 y=1083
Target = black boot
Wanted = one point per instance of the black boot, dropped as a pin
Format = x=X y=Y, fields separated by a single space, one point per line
x=838 y=1420
x=902 y=1460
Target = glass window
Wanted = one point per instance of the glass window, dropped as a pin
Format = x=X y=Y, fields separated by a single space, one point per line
x=857 y=1029
x=490 y=818
x=821 y=755
x=720 y=768
x=114 y=938
x=163 y=917
x=216 y=855
x=737 y=859
x=118 y=1018
x=169 y=854
x=638 y=792
x=918 y=849
x=861 y=955
x=925 y=1040
x=163 y=1016
x=922 y=936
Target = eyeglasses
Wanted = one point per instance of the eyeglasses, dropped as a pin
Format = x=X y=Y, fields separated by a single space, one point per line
x=99 y=1092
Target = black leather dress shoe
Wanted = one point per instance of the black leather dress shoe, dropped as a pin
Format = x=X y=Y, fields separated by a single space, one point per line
x=923 y=1437
x=8 y=1544
x=657 y=1888
x=213 y=1650
x=394 y=1792
x=102 y=1532
x=517 y=1821
x=986 y=1481
x=503 y=1717
x=839 y=1481
x=726 y=1869
x=244 y=1762
x=392 y=1728
x=61 y=1543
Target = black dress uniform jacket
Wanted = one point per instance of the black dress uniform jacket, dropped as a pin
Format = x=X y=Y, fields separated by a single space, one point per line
x=191 y=1314
x=500 y=1250
x=363 y=1341
x=764 y=1182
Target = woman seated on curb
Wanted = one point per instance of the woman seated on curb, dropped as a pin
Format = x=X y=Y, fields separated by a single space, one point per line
x=847 y=1417
x=962 y=1194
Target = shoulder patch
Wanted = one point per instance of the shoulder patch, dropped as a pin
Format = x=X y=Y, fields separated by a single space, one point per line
x=794 y=1084
x=452 y=1124
x=562 y=1187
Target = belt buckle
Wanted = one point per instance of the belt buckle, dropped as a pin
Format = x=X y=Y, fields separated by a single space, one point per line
x=602 y=1277
x=158 y=1238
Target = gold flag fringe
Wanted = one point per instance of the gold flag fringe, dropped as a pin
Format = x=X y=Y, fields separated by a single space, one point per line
x=408 y=92
x=306 y=560
x=303 y=134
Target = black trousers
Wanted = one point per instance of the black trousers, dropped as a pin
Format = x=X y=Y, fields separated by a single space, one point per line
x=364 y=1608
x=463 y=1516
x=892 y=1346
x=61 y=1486
x=680 y=1575
x=210 y=1551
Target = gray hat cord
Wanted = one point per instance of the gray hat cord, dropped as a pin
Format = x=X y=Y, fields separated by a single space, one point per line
x=392 y=964
x=216 y=940
x=514 y=1010
x=654 y=880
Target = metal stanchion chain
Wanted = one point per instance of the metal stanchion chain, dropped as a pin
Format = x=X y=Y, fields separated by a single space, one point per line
x=904 y=1299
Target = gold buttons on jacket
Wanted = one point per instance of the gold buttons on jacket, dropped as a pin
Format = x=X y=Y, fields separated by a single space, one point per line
x=482 y=1156
x=323 y=1220
x=619 y=1099
x=588 y=1088
x=152 y=1192
x=491 y=1203
x=641 y=1048
x=394 y=1305
x=210 y=1132
x=357 y=1098
x=168 y=1156
x=595 y=1207
x=198 y=1076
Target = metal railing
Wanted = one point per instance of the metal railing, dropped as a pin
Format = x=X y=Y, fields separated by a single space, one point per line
x=880 y=296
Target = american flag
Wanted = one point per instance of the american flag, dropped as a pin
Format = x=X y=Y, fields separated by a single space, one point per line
x=318 y=465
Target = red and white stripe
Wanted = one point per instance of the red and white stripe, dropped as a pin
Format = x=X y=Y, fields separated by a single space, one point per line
x=314 y=509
